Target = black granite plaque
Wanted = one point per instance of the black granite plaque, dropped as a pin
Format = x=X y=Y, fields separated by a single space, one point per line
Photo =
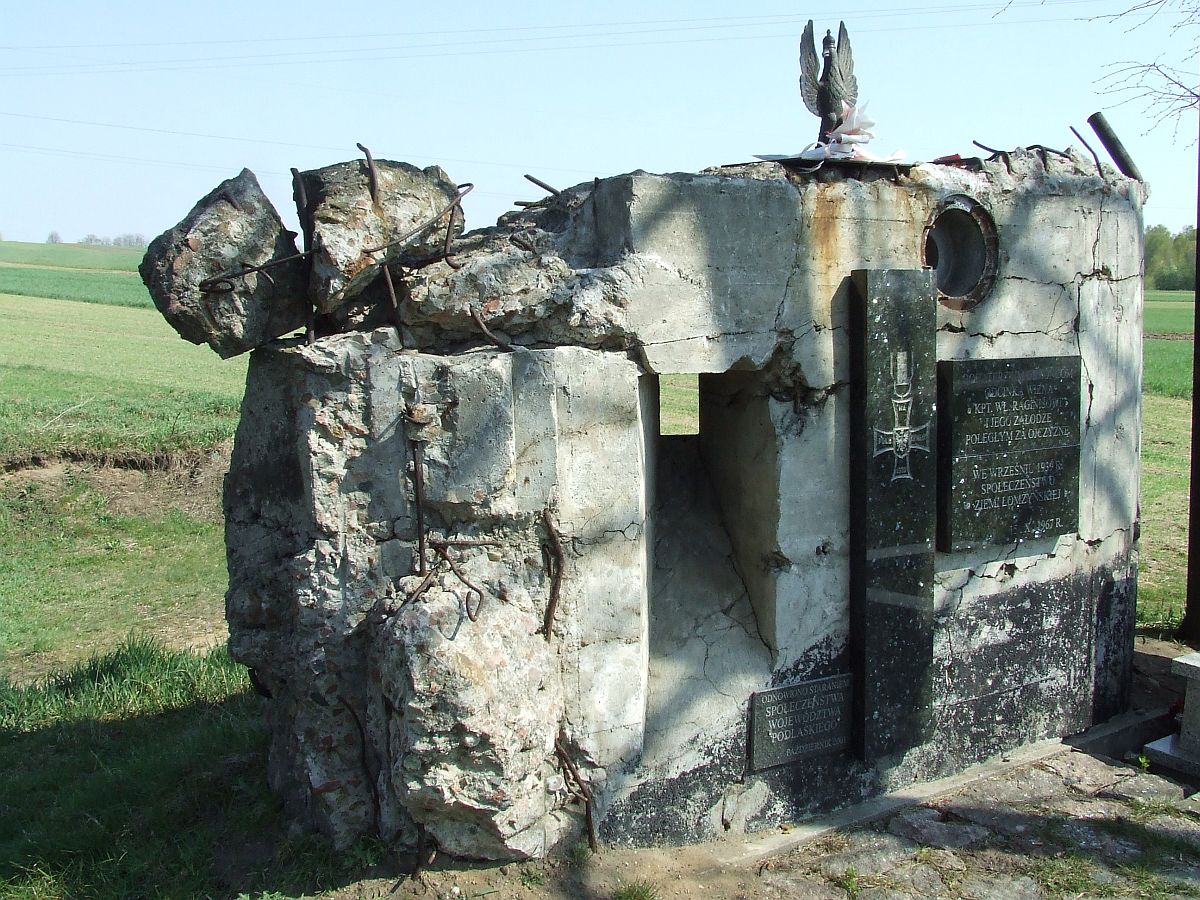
x=807 y=719
x=1010 y=448
x=893 y=494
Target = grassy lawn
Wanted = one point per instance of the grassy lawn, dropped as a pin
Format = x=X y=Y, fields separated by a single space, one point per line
x=135 y=767
x=139 y=773
x=1170 y=297
x=1162 y=568
x=1165 y=317
x=111 y=288
x=77 y=575
x=1167 y=368
x=107 y=383
x=70 y=256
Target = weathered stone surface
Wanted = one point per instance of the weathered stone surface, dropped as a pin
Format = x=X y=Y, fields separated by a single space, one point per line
x=795 y=886
x=390 y=713
x=1083 y=772
x=234 y=227
x=1146 y=788
x=927 y=827
x=687 y=586
x=347 y=222
x=1000 y=887
x=921 y=879
x=869 y=853
x=474 y=711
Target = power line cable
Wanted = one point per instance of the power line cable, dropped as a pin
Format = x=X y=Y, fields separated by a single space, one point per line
x=359 y=59
x=274 y=143
x=778 y=18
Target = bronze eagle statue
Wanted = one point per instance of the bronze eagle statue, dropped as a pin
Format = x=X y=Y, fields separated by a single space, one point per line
x=826 y=90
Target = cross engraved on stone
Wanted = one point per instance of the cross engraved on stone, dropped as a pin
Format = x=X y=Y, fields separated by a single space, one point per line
x=903 y=438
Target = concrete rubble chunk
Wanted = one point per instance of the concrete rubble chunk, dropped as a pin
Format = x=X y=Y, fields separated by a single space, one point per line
x=347 y=222
x=870 y=853
x=465 y=547
x=232 y=228
x=925 y=826
x=1000 y=887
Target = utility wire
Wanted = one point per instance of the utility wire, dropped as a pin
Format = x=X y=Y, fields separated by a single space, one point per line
x=779 y=18
x=245 y=140
x=358 y=58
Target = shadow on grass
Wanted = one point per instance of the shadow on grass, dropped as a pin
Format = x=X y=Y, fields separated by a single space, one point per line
x=101 y=799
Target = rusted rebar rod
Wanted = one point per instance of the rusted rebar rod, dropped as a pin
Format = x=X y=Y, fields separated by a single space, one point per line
x=300 y=195
x=559 y=560
x=418 y=456
x=550 y=190
x=1095 y=155
x=487 y=332
x=372 y=175
x=444 y=553
x=391 y=289
x=463 y=190
x=582 y=790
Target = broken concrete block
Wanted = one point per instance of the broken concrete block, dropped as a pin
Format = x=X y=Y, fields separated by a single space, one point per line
x=349 y=221
x=478 y=707
x=234 y=227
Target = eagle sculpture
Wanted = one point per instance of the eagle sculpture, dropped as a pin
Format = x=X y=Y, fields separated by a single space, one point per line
x=825 y=92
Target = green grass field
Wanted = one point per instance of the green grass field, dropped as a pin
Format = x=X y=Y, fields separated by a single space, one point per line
x=70 y=256
x=1169 y=318
x=134 y=767
x=107 y=383
x=110 y=288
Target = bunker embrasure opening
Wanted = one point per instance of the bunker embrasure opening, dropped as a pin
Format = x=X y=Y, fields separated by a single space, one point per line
x=962 y=248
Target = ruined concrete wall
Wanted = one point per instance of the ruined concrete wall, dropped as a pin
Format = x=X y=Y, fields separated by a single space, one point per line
x=695 y=571
x=391 y=711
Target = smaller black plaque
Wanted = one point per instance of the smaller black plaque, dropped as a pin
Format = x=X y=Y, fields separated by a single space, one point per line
x=800 y=720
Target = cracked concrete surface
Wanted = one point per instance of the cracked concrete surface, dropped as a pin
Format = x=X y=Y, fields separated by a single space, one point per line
x=694 y=571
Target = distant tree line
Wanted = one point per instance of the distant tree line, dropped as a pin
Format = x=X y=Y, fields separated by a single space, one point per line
x=137 y=241
x=1170 y=259
x=121 y=240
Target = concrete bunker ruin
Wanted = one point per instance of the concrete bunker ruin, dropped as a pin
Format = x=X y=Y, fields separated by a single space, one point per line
x=489 y=600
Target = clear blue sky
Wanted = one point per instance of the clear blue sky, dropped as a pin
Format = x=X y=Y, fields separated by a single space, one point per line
x=116 y=117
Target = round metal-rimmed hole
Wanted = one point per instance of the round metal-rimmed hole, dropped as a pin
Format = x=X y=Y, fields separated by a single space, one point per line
x=962 y=249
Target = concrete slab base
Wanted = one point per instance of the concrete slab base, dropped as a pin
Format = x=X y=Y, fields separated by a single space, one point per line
x=1169 y=753
x=1095 y=740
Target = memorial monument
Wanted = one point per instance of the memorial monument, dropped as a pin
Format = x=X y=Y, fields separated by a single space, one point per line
x=492 y=607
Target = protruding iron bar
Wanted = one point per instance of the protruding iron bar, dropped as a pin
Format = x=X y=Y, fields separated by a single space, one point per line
x=444 y=552
x=418 y=457
x=550 y=190
x=1044 y=149
x=1189 y=628
x=582 y=790
x=522 y=243
x=452 y=263
x=223 y=283
x=463 y=190
x=391 y=289
x=425 y=856
x=372 y=175
x=1095 y=156
x=422 y=587
x=1003 y=154
x=558 y=558
x=300 y=195
x=1113 y=145
x=487 y=332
